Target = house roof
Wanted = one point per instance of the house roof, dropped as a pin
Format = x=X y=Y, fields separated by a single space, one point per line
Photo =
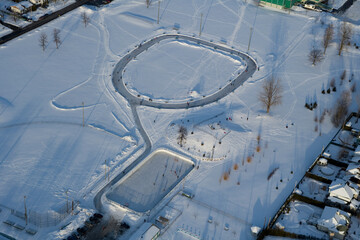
x=357 y=151
x=331 y=218
x=341 y=190
x=355 y=204
x=18 y=6
x=37 y=1
x=26 y=4
x=355 y=158
x=353 y=168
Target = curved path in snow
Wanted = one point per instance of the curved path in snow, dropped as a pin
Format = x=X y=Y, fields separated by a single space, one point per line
x=231 y=86
x=135 y=101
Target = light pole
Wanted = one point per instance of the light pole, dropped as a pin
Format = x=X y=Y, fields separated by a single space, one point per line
x=25 y=210
x=83 y=112
x=200 y=24
x=67 y=201
x=251 y=31
x=158 y=20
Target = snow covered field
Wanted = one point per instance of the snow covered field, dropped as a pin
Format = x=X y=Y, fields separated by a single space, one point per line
x=47 y=159
x=353 y=12
x=44 y=149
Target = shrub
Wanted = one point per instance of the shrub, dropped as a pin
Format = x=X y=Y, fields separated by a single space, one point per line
x=236 y=166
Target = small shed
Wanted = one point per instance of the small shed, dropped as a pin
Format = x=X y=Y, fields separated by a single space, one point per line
x=163 y=221
x=322 y=162
x=255 y=230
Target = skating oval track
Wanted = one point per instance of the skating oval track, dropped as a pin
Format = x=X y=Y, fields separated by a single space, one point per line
x=135 y=101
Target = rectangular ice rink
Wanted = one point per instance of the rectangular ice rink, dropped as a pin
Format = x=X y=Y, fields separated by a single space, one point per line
x=155 y=177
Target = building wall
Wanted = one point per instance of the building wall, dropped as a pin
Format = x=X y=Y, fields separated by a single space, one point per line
x=278 y=3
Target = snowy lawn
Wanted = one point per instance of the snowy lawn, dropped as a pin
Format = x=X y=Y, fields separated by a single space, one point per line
x=339 y=153
x=208 y=137
x=355 y=123
x=314 y=189
x=39 y=86
x=44 y=160
x=353 y=12
x=345 y=138
x=302 y=219
x=151 y=181
x=200 y=221
x=329 y=171
x=181 y=67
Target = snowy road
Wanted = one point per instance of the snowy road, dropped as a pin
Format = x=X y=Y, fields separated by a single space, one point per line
x=135 y=101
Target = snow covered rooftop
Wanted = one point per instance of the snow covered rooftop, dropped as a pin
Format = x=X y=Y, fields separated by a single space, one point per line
x=334 y=220
x=353 y=168
x=147 y=231
x=357 y=151
x=341 y=190
x=26 y=4
x=355 y=159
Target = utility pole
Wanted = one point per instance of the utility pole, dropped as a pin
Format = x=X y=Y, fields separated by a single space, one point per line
x=105 y=169
x=251 y=30
x=25 y=210
x=158 y=13
x=200 y=24
x=83 y=114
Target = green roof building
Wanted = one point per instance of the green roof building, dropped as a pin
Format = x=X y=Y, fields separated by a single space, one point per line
x=278 y=3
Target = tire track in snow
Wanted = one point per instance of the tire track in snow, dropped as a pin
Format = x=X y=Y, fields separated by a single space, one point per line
x=284 y=118
x=238 y=25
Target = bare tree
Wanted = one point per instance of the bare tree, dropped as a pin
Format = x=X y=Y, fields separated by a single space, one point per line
x=43 y=41
x=182 y=135
x=353 y=87
x=343 y=75
x=56 y=37
x=315 y=56
x=341 y=109
x=345 y=36
x=85 y=18
x=271 y=93
x=332 y=84
x=328 y=36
